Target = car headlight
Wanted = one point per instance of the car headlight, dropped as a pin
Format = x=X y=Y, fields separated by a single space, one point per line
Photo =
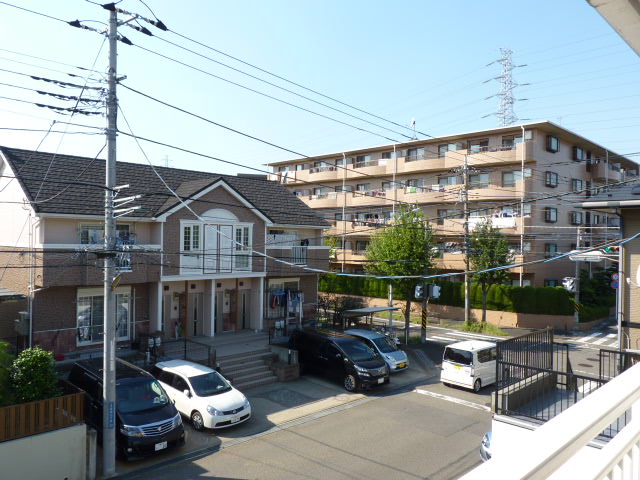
x=131 y=431
x=361 y=370
x=214 y=411
x=246 y=404
x=177 y=421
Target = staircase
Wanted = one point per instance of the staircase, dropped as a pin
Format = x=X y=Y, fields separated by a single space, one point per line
x=248 y=369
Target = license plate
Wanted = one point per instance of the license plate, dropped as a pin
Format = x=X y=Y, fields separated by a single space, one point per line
x=457 y=367
x=380 y=380
x=402 y=365
x=234 y=419
x=161 y=446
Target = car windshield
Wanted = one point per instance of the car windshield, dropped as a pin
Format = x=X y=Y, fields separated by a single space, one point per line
x=455 y=355
x=209 y=384
x=358 y=351
x=384 y=344
x=139 y=396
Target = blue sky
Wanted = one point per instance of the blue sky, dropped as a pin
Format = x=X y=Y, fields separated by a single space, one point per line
x=400 y=60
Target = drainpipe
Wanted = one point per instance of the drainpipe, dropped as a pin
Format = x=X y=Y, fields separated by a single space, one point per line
x=524 y=149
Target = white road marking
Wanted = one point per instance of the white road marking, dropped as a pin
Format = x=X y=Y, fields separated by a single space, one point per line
x=612 y=344
x=470 y=334
x=473 y=336
x=600 y=341
x=447 y=398
x=446 y=339
x=589 y=337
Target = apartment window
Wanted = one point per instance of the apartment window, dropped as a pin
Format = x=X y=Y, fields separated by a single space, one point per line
x=387 y=155
x=361 y=245
x=551 y=179
x=575 y=218
x=479 y=180
x=301 y=166
x=551 y=282
x=480 y=212
x=346 y=188
x=577 y=185
x=595 y=219
x=415 y=153
x=526 y=210
x=550 y=214
x=363 y=187
x=284 y=168
x=511 y=140
x=509 y=179
x=476 y=146
x=387 y=186
x=339 y=162
x=190 y=237
x=449 y=213
x=362 y=160
x=588 y=188
x=578 y=154
x=414 y=182
x=550 y=249
x=449 y=180
x=553 y=145
x=442 y=150
x=242 y=249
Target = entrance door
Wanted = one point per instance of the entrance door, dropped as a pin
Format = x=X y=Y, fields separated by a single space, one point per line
x=195 y=317
x=245 y=308
x=166 y=314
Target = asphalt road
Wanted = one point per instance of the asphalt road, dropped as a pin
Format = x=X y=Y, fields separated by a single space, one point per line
x=432 y=432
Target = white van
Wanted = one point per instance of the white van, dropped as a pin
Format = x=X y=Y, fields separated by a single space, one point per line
x=469 y=364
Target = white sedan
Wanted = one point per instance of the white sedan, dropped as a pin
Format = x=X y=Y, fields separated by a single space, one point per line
x=202 y=394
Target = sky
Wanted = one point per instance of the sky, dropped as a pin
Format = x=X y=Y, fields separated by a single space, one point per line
x=425 y=60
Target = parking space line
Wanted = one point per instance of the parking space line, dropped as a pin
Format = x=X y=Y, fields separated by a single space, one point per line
x=447 y=398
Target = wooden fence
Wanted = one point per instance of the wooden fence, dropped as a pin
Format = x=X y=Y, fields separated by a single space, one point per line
x=17 y=421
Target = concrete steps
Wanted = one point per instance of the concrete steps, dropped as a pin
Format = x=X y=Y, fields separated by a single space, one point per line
x=247 y=369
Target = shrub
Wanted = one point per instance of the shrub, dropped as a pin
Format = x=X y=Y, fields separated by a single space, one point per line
x=6 y=395
x=33 y=376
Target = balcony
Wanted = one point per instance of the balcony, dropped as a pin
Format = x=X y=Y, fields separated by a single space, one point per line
x=367 y=197
x=419 y=163
x=350 y=256
x=569 y=446
x=366 y=226
x=606 y=172
x=371 y=167
x=324 y=200
x=428 y=194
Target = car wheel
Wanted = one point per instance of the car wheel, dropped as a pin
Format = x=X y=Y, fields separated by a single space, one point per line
x=350 y=383
x=477 y=385
x=387 y=380
x=197 y=421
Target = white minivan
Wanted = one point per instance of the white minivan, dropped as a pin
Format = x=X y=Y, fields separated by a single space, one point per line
x=469 y=364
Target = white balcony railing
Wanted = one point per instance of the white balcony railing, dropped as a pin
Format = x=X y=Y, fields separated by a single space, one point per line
x=559 y=448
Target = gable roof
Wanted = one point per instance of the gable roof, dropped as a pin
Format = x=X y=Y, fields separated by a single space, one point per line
x=67 y=184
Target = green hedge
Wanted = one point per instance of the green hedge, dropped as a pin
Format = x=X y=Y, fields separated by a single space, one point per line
x=536 y=300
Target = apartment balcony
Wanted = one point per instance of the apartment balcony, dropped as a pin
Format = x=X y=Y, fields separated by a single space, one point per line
x=360 y=227
x=350 y=256
x=428 y=194
x=367 y=198
x=324 y=200
x=606 y=172
x=363 y=169
x=418 y=163
x=455 y=226
x=564 y=447
x=455 y=261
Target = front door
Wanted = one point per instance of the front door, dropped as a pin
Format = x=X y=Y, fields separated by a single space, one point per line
x=245 y=312
x=196 y=310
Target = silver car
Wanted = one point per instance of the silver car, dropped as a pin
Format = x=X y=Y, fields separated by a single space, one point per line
x=395 y=358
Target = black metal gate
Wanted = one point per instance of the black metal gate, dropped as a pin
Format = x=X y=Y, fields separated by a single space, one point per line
x=614 y=362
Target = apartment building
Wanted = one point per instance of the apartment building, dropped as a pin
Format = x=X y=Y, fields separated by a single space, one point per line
x=526 y=179
x=224 y=254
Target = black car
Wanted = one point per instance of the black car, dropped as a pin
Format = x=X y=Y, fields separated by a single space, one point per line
x=340 y=356
x=146 y=419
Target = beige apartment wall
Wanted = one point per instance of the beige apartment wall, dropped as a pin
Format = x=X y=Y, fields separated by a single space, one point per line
x=58 y=454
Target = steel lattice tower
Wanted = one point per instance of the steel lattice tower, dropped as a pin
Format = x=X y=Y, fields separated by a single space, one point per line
x=506 y=100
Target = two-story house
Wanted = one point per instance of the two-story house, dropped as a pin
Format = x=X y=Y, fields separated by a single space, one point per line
x=219 y=254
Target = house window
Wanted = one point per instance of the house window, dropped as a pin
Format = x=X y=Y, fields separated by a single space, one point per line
x=190 y=237
x=550 y=249
x=575 y=218
x=92 y=233
x=387 y=186
x=442 y=150
x=511 y=141
x=553 y=145
x=415 y=154
x=361 y=245
x=301 y=166
x=550 y=214
x=577 y=185
x=363 y=187
x=551 y=179
x=90 y=315
x=362 y=161
x=387 y=155
x=551 y=282
x=479 y=180
x=242 y=248
x=447 y=214
x=578 y=154
x=476 y=146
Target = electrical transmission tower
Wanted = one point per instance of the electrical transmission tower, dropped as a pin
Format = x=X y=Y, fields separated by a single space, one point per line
x=506 y=100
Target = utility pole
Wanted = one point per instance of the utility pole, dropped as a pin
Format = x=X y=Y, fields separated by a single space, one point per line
x=467 y=286
x=109 y=334
x=576 y=283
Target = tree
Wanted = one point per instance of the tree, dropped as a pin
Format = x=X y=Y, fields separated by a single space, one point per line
x=404 y=248
x=5 y=366
x=488 y=248
x=33 y=375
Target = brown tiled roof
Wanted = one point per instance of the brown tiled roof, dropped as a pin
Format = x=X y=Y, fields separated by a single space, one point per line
x=67 y=184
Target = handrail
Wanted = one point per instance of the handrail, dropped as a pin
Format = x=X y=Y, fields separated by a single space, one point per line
x=556 y=442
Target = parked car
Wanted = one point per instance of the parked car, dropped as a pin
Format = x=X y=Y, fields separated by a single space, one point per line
x=146 y=419
x=339 y=356
x=485 y=447
x=396 y=359
x=202 y=394
x=470 y=364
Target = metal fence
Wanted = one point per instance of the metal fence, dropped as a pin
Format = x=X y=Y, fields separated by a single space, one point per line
x=614 y=362
x=535 y=380
x=185 y=349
